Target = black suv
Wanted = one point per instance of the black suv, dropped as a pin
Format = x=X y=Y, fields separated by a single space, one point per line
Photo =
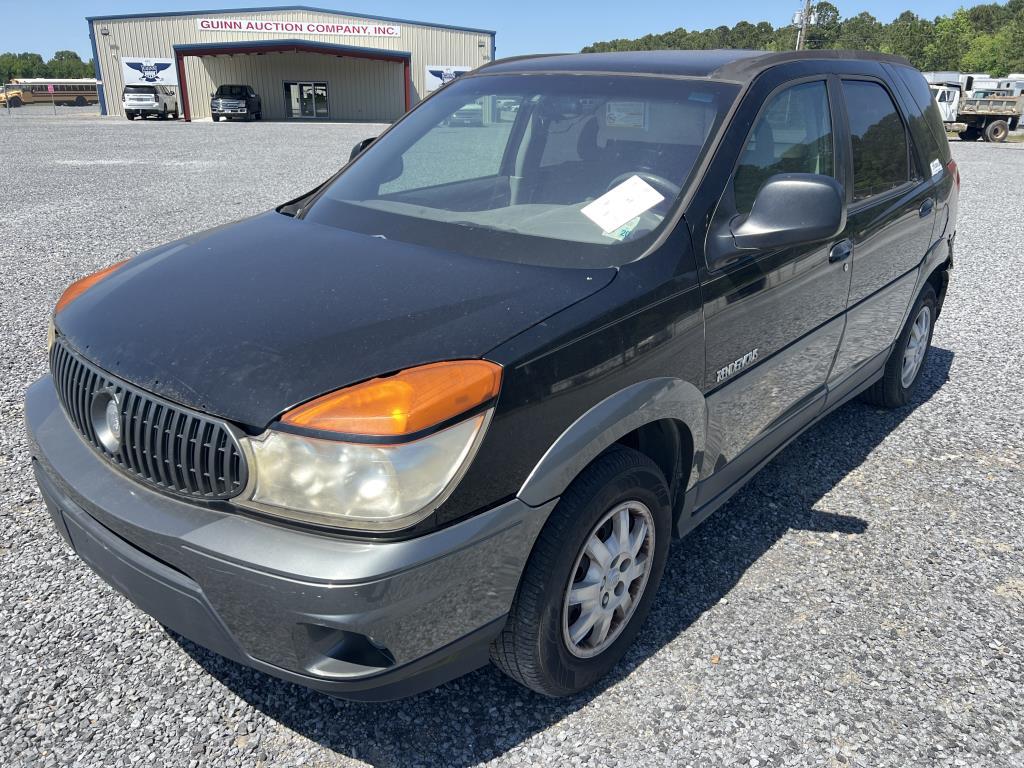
x=454 y=404
x=235 y=101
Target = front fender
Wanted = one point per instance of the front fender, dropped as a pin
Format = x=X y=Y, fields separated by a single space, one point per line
x=608 y=421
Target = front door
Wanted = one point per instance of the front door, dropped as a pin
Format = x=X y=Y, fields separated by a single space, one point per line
x=774 y=319
x=306 y=100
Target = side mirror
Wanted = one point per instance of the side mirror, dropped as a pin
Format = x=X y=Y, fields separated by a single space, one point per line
x=791 y=209
x=358 y=148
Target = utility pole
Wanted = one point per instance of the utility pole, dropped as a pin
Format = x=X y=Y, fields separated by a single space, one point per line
x=806 y=20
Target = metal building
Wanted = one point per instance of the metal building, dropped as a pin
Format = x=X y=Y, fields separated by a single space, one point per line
x=306 y=63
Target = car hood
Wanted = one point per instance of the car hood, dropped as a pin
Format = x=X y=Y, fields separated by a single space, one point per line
x=247 y=320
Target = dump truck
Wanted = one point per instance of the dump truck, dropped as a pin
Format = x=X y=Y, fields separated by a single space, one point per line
x=988 y=114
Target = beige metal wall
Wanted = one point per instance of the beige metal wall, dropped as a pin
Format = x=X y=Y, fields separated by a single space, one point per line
x=358 y=89
x=156 y=37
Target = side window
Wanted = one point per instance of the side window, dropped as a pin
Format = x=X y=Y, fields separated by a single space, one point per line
x=881 y=153
x=792 y=135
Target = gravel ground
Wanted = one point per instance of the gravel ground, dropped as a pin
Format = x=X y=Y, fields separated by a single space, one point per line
x=860 y=603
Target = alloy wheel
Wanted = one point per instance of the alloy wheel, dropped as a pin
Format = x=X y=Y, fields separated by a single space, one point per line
x=609 y=578
x=917 y=346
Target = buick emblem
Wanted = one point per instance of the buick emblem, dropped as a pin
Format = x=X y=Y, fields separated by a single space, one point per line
x=106 y=419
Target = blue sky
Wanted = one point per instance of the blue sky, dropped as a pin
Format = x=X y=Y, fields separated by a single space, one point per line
x=523 y=26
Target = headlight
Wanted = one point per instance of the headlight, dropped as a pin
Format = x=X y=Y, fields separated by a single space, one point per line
x=83 y=284
x=356 y=458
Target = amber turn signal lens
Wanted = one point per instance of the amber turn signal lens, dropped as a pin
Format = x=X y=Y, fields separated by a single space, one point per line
x=81 y=285
x=410 y=401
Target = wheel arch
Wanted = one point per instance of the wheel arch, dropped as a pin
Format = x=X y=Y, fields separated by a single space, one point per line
x=665 y=418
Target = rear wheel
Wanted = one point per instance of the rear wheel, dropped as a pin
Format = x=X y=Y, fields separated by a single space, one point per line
x=16 y=101
x=903 y=368
x=163 y=113
x=970 y=134
x=216 y=118
x=80 y=101
x=591 y=577
x=130 y=115
x=997 y=131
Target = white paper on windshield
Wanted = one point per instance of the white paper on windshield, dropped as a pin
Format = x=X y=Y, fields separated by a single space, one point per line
x=626 y=201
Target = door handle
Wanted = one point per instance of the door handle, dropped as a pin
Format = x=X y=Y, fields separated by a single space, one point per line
x=926 y=207
x=840 y=251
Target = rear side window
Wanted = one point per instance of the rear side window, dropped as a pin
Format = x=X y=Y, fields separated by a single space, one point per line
x=881 y=154
x=925 y=100
x=792 y=135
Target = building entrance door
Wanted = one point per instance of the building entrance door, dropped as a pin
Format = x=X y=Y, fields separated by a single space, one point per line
x=306 y=100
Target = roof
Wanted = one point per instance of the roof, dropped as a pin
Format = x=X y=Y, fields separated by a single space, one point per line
x=724 y=64
x=279 y=8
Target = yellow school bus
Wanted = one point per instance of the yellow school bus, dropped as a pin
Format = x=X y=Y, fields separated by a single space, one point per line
x=30 y=90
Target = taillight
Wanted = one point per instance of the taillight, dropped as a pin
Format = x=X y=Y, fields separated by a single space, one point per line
x=954 y=171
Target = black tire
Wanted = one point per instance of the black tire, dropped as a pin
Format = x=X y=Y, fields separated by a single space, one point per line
x=216 y=118
x=971 y=134
x=80 y=101
x=16 y=101
x=997 y=131
x=532 y=649
x=129 y=115
x=890 y=391
x=163 y=113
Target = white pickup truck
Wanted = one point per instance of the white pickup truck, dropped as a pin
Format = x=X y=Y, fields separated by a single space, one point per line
x=985 y=114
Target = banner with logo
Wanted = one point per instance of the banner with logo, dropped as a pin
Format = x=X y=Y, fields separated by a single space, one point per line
x=438 y=75
x=306 y=27
x=138 y=71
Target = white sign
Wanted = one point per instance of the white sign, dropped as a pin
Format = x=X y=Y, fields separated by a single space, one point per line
x=338 y=29
x=148 y=71
x=439 y=74
x=626 y=114
x=617 y=206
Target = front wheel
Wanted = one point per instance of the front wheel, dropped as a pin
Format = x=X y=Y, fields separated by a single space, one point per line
x=590 y=580
x=903 y=368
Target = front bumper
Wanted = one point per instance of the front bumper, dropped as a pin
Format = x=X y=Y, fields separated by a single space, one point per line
x=357 y=619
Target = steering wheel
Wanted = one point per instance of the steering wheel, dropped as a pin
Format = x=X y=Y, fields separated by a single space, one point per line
x=664 y=186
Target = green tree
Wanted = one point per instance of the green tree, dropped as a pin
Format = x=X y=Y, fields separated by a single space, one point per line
x=986 y=37
x=862 y=32
x=825 y=30
x=952 y=39
x=988 y=53
x=908 y=35
x=68 y=64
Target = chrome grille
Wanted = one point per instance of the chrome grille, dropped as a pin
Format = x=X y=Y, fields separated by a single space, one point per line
x=162 y=444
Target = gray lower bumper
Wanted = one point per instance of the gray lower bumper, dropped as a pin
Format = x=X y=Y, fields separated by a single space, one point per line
x=359 y=619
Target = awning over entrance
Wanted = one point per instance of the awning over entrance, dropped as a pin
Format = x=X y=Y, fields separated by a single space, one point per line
x=257 y=47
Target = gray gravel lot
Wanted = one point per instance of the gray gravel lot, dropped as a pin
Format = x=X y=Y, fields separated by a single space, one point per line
x=860 y=603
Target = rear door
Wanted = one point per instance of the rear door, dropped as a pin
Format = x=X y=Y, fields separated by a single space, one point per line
x=773 y=319
x=889 y=223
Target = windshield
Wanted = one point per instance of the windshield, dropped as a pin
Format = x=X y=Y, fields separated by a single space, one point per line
x=235 y=91
x=565 y=169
